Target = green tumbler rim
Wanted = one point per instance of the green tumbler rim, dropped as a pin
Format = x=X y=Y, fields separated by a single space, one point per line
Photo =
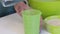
x=30 y=12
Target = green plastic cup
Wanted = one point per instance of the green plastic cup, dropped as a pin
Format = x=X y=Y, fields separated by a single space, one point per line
x=31 y=19
x=52 y=24
x=48 y=7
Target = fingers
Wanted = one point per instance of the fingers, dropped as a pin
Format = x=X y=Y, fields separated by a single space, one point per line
x=24 y=6
x=20 y=7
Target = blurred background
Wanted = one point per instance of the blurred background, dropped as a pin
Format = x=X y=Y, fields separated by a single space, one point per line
x=6 y=10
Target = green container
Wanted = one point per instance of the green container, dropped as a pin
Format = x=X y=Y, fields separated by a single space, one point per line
x=53 y=29
x=48 y=7
x=31 y=19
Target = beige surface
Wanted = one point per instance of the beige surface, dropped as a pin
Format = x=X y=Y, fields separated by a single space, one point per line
x=55 y=22
x=13 y=24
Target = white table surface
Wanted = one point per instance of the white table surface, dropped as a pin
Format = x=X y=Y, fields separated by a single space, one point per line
x=12 y=24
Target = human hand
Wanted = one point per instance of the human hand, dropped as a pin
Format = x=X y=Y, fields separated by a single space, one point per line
x=20 y=7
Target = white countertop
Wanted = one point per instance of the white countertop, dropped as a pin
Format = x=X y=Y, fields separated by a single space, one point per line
x=12 y=24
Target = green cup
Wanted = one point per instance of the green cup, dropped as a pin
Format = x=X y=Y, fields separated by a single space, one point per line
x=48 y=7
x=52 y=24
x=31 y=19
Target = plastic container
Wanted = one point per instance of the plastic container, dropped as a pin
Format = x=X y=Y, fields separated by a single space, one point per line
x=52 y=24
x=31 y=20
x=48 y=7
